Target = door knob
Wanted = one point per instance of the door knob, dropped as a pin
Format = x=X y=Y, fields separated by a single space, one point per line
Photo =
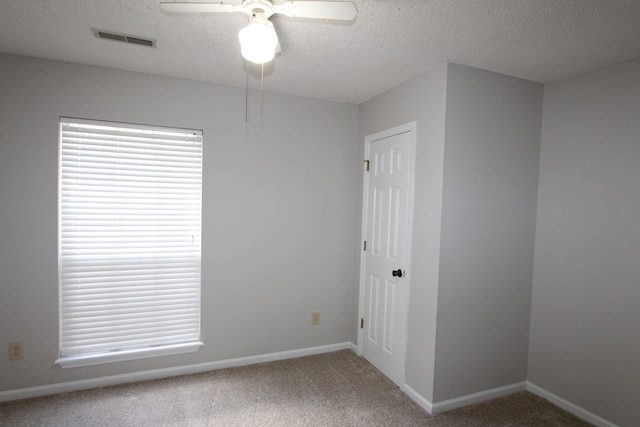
x=396 y=273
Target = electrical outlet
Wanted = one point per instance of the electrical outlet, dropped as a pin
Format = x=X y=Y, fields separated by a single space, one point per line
x=315 y=317
x=15 y=351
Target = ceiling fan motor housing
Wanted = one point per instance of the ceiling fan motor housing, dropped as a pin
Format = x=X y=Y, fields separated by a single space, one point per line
x=260 y=6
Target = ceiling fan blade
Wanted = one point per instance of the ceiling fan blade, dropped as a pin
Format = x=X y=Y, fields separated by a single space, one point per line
x=337 y=10
x=188 y=7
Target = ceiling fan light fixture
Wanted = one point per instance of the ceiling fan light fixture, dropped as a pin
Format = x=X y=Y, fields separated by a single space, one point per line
x=258 y=40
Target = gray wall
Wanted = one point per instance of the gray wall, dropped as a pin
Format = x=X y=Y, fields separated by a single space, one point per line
x=491 y=158
x=478 y=136
x=421 y=100
x=585 y=322
x=278 y=211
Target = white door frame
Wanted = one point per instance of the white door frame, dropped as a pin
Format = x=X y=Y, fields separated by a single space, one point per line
x=411 y=128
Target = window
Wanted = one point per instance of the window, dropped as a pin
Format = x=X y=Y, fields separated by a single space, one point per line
x=129 y=241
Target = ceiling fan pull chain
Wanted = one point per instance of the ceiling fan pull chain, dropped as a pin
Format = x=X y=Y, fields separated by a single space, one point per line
x=262 y=90
x=246 y=93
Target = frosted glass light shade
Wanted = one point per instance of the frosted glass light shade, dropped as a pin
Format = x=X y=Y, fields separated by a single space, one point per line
x=258 y=40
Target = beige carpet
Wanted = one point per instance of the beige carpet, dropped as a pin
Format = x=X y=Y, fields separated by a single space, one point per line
x=333 y=389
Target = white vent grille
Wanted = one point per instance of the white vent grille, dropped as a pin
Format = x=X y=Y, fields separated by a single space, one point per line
x=125 y=38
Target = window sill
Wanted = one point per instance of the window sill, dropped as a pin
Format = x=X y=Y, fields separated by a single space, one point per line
x=121 y=356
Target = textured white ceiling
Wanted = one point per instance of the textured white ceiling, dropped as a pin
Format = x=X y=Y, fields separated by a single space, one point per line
x=389 y=42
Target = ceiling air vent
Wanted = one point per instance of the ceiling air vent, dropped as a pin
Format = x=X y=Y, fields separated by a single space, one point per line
x=125 y=38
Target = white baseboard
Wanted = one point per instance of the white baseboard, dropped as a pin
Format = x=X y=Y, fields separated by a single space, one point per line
x=568 y=406
x=418 y=398
x=155 y=374
x=446 y=405
x=458 y=402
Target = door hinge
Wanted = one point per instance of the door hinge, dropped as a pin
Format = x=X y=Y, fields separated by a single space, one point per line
x=367 y=162
x=362 y=323
x=365 y=245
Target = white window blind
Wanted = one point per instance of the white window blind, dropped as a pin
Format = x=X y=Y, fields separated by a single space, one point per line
x=130 y=220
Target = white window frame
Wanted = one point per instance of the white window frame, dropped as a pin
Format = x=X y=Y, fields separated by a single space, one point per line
x=130 y=212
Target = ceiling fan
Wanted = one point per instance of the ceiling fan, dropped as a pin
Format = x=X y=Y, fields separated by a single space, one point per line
x=258 y=40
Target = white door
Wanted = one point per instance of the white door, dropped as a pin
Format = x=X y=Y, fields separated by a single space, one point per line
x=386 y=230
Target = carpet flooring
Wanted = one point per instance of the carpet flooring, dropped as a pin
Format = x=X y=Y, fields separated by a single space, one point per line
x=332 y=389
